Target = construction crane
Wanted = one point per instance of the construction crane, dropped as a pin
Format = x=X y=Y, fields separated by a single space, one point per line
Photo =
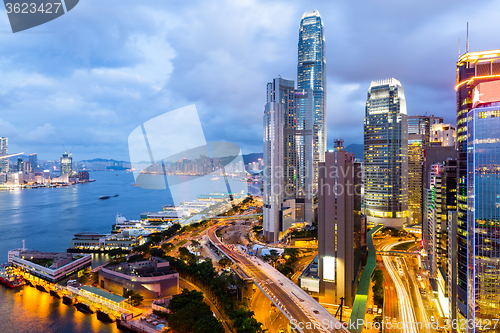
x=7 y=156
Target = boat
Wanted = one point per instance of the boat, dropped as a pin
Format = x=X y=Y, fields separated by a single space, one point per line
x=68 y=300
x=9 y=279
x=41 y=288
x=85 y=308
x=215 y=178
x=104 y=197
x=107 y=317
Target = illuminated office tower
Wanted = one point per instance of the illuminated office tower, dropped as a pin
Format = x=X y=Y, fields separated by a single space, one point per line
x=477 y=75
x=423 y=125
x=273 y=168
x=416 y=160
x=33 y=162
x=483 y=193
x=66 y=163
x=340 y=226
x=20 y=164
x=4 y=151
x=280 y=160
x=304 y=102
x=386 y=155
x=282 y=91
x=311 y=74
x=441 y=198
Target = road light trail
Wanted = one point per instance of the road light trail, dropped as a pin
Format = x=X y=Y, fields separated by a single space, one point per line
x=407 y=314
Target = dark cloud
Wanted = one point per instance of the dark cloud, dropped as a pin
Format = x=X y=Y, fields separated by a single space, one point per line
x=108 y=66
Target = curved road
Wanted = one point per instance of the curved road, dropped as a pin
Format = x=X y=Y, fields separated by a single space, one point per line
x=281 y=297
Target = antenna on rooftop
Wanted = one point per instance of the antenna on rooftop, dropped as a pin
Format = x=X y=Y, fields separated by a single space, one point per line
x=459 y=47
x=467 y=47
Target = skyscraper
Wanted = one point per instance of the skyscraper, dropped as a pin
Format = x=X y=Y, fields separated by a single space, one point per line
x=66 y=163
x=304 y=142
x=282 y=91
x=339 y=226
x=386 y=154
x=416 y=159
x=474 y=70
x=273 y=183
x=34 y=162
x=423 y=125
x=4 y=150
x=311 y=74
x=483 y=205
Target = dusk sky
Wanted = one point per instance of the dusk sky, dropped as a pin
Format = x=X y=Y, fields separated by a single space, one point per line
x=88 y=78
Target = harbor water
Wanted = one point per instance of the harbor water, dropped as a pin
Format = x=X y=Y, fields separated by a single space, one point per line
x=47 y=218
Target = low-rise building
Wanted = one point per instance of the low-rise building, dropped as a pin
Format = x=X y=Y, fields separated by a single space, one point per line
x=151 y=278
x=49 y=266
x=96 y=242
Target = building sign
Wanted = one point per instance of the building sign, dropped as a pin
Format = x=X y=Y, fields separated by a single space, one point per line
x=328 y=268
x=486 y=92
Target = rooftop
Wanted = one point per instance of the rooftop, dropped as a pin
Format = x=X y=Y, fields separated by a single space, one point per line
x=105 y=294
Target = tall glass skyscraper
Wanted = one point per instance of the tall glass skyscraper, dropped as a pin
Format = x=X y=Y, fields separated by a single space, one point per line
x=311 y=74
x=386 y=154
x=282 y=91
x=476 y=71
x=4 y=150
x=483 y=204
x=273 y=169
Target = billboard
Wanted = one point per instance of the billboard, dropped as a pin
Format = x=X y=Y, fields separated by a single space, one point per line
x=486 y=92
x=328 y=268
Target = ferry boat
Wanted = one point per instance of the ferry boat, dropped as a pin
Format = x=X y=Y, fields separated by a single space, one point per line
x=9 y=279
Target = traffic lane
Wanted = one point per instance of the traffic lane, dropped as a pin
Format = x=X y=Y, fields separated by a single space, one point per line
x=389 y=312
x=283 y=297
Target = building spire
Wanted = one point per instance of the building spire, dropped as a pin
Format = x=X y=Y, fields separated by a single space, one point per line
x=467 y=47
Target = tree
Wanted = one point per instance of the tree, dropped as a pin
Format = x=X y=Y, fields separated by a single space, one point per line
x=144 y=249
x=156 y=252
x=224 y=262
x=187 y=256
x=183 y=299
x=208 y=324
x=286 y=270
x=167 y=246
x=117 y=252
x=134 y=297
x=273 y=255
x=292 y=254
x=257 y=229
x=194 y=242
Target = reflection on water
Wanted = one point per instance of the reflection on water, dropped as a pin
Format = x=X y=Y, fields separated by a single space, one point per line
x=29 y=310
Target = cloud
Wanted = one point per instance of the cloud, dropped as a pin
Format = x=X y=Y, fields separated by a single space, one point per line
x=92 y=76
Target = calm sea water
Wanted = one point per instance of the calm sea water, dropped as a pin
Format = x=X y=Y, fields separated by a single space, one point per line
x=47 y=219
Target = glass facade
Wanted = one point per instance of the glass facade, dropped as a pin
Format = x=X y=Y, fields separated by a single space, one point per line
x=473 y=68
x=423 y=125
x=4 y=150
x=66 y=164
x=483 y=236
x=311 y=74
x=416 y=159
x=386 y=154
x=282 y=91
x=273 y=167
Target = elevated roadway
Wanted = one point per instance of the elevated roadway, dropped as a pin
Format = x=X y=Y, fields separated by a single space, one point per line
x=304 y=313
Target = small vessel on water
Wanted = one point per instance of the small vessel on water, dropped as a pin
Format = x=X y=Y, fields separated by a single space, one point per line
x=10 y=279
x=104 y=197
